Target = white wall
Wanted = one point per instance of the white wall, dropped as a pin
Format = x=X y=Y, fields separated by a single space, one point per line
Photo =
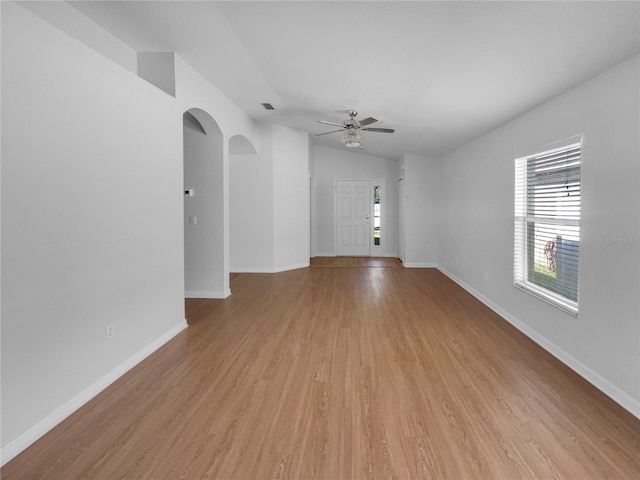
x=69 y=20
x=336 y=163
x=92 y=218
x=251 y=207
x=421 y=206
x=270 y=203
x=91 y=222
x=603 y=342
x=203 y=235
x=312 y=198
x=194 y=91
x=290 y=198
x=159 y=69
x=92 y=214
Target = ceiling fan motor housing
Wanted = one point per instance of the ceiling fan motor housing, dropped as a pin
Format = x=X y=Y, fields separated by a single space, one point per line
x=352 y=122
x=353 y=129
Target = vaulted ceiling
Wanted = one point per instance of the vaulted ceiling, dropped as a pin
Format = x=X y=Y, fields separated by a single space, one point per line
x=440 y=72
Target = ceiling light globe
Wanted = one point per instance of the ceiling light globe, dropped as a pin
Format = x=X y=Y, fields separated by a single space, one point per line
x=352 y=138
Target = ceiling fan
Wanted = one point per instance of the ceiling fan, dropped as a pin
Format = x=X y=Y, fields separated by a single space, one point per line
x=352 y=129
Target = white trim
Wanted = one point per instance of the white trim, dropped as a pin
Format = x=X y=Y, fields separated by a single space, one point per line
x=294 y=266
x=378 y=250
x=548 y=296
x=527 y=194
x=374 y=250
x=206 y=294
x=568 y=142
x=285 y=268
x=251 y=270
x=400 y=190
x=335 y=215
x=325 y=254
x=312 y=216
x=548 y=221
x=622 y=398
x=391 y=255
x=420 y=265
x=27 y=438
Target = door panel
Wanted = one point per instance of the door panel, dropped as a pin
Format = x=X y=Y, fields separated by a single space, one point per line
x=352 y=217
x=361 y=235
x=346 y=209
x=346 y=236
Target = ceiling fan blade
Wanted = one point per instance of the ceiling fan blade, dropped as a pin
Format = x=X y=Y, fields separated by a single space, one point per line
x=331 y=123
x=380 y=130
x=368 y=121
x=327 y=133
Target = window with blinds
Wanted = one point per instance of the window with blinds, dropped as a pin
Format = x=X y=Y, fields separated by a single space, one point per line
x=547 y=225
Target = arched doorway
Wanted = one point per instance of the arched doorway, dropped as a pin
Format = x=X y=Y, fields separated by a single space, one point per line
x=247 y=188
x=205 y=266
x=241 y=145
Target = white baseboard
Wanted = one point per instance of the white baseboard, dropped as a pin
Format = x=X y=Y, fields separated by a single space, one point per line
x=251 y=269
x=622 y=398
x=293 y=266
x=27 y=438
x=269 y=269
x=206 y=294
x=420 y=265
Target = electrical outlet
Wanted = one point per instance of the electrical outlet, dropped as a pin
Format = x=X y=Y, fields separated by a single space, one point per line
x=486 y=276
x=110 y=331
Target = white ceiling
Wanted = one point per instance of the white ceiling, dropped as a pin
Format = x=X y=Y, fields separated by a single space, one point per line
x=440 y=73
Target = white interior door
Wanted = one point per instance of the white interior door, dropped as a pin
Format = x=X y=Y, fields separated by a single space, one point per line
x=353 y=209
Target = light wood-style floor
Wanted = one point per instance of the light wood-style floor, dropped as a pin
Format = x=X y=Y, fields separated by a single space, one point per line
x=371 y=262
x=343 y=373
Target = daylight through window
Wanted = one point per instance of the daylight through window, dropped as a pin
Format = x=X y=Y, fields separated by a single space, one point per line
x=376 y=215
x=547 y=225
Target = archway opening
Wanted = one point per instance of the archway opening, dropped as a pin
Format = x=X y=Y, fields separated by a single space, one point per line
x=241 y=145
x=205 y=275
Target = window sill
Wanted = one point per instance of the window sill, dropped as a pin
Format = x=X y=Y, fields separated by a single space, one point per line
x=556 y=300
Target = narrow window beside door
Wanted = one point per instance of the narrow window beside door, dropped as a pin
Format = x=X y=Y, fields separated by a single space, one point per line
x=376 y=215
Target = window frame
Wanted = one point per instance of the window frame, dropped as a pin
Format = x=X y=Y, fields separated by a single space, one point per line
x=524 y=198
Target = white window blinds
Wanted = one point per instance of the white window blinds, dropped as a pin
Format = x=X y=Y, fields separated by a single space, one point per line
x=547 y=225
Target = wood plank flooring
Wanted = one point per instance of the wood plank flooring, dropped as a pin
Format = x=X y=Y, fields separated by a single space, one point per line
x=343 y=373
x=387 y=262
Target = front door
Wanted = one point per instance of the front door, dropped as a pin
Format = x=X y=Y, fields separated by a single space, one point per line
x=353 y=209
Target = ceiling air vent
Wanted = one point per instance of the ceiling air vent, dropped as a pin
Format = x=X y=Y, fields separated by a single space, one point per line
x=268 y=106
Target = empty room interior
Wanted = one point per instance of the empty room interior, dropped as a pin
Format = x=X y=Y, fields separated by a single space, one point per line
x=320 y=240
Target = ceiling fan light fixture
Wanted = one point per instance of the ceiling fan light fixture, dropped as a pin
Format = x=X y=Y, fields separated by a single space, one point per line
x=352 y=137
